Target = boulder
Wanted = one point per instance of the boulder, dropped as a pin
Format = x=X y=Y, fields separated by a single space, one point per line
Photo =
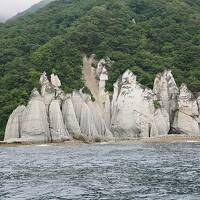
x=13 y=127
x=57 y=128
x=35 y=126
x=187 y=117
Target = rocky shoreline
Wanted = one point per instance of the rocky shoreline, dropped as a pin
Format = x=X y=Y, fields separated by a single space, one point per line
x=155 y=140
x=130 y=113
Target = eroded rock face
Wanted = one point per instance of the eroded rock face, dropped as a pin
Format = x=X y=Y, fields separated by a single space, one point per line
x=187 y=117
x=47 y=90
x=161 y=122
x=133 y=111
x=58 y=130
x=85 y=118
x=55 y=81
x=35 y=126
x=167 y=92
x=107 y=111
x=98 y=120
x=70 y=120
x=13 y=128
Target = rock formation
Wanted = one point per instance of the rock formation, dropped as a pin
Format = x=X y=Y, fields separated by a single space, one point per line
x=132 y=111
x=47 y=90
x=35 y=126
x=13 y=128
x=85 y=118
x=58 y=130
x=187 y=117
x=167 y=92
x=70 y=120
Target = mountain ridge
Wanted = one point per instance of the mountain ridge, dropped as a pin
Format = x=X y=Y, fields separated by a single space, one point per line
x=33 y=8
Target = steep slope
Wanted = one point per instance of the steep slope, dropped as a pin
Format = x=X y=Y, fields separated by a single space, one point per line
x=146 y=36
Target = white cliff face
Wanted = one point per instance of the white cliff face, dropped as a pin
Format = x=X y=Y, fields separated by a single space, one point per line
x=133 y=111
x=107 y=111
x=58 y=130
x=167 y=92
x=55 y=81
x=85 y=118
x=161 y=125
x=13 y=128
x=47 y=90
x=100 y=124
x=102 y=74
x=198 y=102
x=35 y=126
x=187 y=117
x=70 y=120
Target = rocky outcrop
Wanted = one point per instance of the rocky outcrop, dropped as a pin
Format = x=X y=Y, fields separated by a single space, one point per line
x=132 y=111
x=70 y=120
x=58 y=130
x=85 y=118
x=35 y=126
x=187 y=117
x=47 y=90
x=13 y=128
x=55 y=81
x=167 y=92
x=100 y=124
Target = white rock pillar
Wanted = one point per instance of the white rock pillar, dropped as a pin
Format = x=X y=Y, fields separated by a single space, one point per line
x=35 y=126
x=167 y=92
x=13 y=127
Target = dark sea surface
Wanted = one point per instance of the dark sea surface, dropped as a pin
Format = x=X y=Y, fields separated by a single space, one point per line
x=134 y=171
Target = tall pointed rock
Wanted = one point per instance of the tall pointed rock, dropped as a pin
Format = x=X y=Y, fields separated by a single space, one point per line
x=35 y=126
x=13 y=127
x=57 y=128
x=70 y=120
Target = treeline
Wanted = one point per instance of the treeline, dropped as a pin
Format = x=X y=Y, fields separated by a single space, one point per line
x=146 y=36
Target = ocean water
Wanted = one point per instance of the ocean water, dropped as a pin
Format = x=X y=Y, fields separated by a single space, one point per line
x=101 y=171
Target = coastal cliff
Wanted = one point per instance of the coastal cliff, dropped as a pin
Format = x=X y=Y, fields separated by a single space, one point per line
x=131 y=111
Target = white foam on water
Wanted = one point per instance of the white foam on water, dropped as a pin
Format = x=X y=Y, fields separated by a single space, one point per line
x=192 y=141
x=42 y=145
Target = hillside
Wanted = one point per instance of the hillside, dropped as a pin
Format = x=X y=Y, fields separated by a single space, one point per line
x=33 y=8
x=146 y=36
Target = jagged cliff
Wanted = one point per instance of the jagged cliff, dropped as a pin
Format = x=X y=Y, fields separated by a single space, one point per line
x=132 y=111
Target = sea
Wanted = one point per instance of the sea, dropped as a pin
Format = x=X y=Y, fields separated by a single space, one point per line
x=167 y=171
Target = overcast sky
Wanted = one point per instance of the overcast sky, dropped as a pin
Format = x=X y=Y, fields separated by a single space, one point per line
x=9 y=8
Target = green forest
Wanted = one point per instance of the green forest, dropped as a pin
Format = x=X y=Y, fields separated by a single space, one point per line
x=146 y=36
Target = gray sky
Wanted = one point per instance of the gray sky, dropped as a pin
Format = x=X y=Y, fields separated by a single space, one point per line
x=9 y=8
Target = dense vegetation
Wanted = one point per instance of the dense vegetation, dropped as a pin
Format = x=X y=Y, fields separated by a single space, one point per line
x=146 y=36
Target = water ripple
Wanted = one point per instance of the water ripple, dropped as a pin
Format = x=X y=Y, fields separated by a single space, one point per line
x=106 y=172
